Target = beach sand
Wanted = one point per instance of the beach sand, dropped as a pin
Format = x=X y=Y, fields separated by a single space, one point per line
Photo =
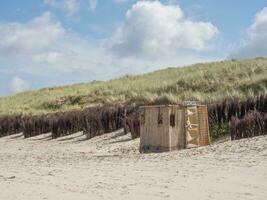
x=110 y=167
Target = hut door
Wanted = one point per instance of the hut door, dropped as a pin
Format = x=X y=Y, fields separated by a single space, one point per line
x=192 y=131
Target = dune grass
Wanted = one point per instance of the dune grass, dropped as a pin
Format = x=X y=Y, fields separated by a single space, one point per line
x=204 y=82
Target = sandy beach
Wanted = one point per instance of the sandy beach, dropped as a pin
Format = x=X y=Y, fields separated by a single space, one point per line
x=110 y=167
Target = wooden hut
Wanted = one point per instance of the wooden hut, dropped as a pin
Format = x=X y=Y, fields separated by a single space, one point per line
x=170 y=127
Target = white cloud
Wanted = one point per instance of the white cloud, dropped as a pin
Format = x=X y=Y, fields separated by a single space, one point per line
x=38 y=34
x=153 y=29
x=18 y=85
x=43 y=46
x=253 y=43
x=93 y=4
x=50 y=2
x=120 y=1
x=70 y=6
x=44 y=51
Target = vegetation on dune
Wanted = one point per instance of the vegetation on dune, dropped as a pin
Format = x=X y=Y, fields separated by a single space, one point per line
x=219 y=130
x=209 y=82
x=231 y=89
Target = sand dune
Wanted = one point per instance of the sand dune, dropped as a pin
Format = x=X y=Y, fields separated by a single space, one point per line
x=110 y=167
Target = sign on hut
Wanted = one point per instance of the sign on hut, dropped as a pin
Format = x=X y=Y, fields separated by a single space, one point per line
x=170 y=127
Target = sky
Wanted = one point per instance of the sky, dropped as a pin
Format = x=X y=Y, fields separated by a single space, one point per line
x=46 y=43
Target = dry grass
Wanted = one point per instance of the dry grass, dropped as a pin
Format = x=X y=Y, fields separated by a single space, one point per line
x=205 y=82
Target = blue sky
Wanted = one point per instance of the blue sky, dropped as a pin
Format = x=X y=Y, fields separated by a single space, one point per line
x=55 y=42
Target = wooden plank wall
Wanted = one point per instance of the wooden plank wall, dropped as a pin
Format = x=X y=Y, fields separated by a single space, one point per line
x=164 y=137
x=154 y=134
x=177 y=133
x=204 y=137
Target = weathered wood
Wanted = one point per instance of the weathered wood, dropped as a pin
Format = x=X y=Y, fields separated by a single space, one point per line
x=169 y=127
